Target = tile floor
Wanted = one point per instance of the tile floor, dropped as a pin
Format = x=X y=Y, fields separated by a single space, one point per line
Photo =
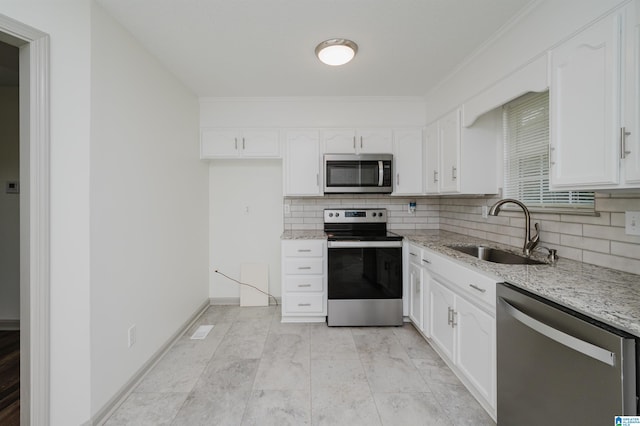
x=253 y=370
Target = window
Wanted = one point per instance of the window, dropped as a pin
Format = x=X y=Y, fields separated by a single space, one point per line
x=526 y=157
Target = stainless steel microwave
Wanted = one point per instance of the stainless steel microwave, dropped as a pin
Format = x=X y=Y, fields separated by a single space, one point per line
x=363 y=173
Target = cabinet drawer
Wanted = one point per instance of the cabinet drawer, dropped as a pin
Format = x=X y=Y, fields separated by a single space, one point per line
x=304 y=303
x=303 y=266
x=480 y=287
x=303 y=249
x=304 y=283
x=415 y=255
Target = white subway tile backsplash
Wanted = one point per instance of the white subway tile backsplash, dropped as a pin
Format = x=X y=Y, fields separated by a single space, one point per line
x=620 y=263
x=625 y=250
x=585 y=243
x=600 y=240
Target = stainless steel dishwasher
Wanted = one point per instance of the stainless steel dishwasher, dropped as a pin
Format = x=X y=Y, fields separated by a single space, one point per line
x=557 y=366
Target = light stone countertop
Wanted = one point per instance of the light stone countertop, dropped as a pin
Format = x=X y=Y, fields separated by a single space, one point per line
x=304 y=235
x=607 y=295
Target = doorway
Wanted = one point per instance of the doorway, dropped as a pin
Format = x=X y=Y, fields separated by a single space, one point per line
x=34 y=214
x=9 y=236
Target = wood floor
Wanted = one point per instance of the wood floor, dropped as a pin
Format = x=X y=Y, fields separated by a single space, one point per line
x=9 y=378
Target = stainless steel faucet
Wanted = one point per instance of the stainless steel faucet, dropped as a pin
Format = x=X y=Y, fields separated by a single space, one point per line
x=530 y=242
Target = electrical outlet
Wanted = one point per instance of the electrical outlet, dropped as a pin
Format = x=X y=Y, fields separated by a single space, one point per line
x=632 y=223
x=287 y=209
x=485 y=211
x=131 y=334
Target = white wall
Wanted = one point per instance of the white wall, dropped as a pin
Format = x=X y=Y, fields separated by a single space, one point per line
x=67 y=23
x=238 y=236
x=547 y=23
x=312 y=112
x=149 y=206
x=9 y=207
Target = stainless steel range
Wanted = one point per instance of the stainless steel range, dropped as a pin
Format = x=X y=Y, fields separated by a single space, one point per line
x=364 y=269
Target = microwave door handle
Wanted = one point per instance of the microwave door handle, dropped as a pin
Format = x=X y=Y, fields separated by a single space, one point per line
x=380 y=173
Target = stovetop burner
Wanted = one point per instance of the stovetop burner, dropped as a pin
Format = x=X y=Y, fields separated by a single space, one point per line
x=357 y=225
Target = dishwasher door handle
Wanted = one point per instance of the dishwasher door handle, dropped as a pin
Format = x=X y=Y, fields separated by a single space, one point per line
x=565 y=339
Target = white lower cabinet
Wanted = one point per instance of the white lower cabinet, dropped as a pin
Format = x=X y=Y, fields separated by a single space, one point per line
x=458 y=318
x=304 y=280
x=415 y=296
x=476 y=347
x=442 y=309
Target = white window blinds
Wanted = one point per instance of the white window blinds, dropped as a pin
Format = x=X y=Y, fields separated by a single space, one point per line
x=526 y=156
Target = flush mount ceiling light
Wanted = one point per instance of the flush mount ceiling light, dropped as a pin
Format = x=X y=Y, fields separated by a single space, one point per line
x=336 y=51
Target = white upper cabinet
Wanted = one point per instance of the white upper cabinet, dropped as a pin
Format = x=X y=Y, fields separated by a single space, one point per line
x=594 y=105
x=361 y=141
x=432 y=159
x=302 y=174
x=449 y=134
x=236 y=143
x=630 y=142
x=407 y=157
x=462 y=160
x=584 y=107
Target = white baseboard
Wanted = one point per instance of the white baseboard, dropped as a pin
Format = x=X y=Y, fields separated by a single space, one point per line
x=9 y=325
x=222 y=301
x=112 y=405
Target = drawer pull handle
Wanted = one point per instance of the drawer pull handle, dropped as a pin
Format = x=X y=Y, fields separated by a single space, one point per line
x=412 y=254
x=304 y=267
x=475 y=287
x=304 y=250
x=304 y=304
x=426 y=261
x=304 y=285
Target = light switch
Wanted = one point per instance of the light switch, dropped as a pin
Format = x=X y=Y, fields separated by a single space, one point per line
x=632 y=223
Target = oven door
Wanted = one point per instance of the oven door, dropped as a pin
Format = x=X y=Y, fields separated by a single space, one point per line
x=364 y=270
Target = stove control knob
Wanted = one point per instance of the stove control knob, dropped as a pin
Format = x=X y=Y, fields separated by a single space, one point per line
x=337 y=214
x=374 y=214
x=380 y=214
x=330 y=214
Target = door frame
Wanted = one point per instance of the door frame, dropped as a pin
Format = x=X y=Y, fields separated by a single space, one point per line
x=34 y=218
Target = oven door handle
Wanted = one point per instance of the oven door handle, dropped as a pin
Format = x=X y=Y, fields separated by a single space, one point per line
x=363 y=244
x=380 y=173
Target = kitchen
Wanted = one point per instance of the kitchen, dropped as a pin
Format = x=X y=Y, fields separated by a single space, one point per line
x=580 y=238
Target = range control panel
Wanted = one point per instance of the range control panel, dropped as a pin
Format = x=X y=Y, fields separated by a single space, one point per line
x=355 y=216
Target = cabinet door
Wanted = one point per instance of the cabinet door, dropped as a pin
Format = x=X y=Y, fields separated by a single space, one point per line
x=339 y=141
x=415 y=295
x=585 y=108
x=378 y=141
x=407 y=156
x=475 y=347
x=442 y=305
x=426 y=302
x=302 y=163
x=432 y=159
x=630 y=145
x=261 y=143
x=217 y=143
x=449 y=136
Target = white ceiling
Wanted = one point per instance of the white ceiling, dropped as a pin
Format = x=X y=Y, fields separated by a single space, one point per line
x=266 y=47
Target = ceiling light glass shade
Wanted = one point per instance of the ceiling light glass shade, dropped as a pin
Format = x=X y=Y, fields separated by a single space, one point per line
x=336 y=51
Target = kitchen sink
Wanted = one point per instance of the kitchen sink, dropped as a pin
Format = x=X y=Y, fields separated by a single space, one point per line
x=496 y=255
